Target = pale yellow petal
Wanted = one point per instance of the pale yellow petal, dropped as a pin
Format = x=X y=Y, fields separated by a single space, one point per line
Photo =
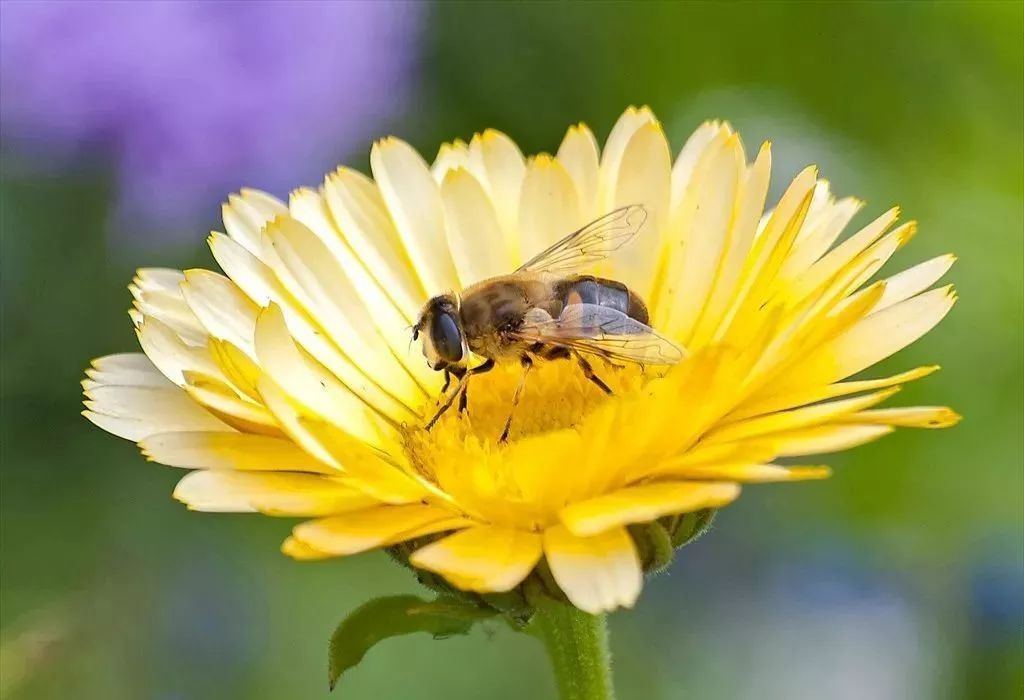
x=414 y=203
x=499 y=165
x=611 y=157
x=913 y=281
x=549 y=208
x=171 y=354
x=136 y=412
x=580 y=155
x=474 y=234
x=289 y=495
x=231 y=451
x=224 y=310
x=710 y=219
x=643 y=178
x=390 y=315
x=360 y=229
x=880 y=335
x=483 y=559
x=315 y=278
x=598 y=574
x=690 y=154
x=641 y=504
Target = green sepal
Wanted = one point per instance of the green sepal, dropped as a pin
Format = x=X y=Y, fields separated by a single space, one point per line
x=393 y=616
x=654 y=546
x=687 y=527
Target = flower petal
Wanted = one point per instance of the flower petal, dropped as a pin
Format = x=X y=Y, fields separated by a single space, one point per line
x=499 y=165
x=370 y=528
x=269 y=493
x=549 y=207
x=474 y=235
x=908 y=417
x=643 y=178
x=483 y=559
x=580 y=155
x=598 y=574
x=230 y=451
x=824 y=439
x=641 y=504
x=414 y=203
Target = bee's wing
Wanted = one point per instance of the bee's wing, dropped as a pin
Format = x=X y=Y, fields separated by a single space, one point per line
x=599 y=330
x=592 y=243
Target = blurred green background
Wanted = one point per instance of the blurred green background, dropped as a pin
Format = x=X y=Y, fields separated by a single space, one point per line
x=900 y=577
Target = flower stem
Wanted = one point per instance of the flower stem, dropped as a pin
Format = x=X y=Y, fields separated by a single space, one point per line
x=577 y=644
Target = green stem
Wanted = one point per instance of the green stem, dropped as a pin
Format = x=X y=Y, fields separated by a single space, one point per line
x=577 y=643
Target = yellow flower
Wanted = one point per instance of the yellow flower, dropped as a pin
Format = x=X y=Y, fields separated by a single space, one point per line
x=291 y=387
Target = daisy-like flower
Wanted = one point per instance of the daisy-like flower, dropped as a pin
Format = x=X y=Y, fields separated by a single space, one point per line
x=290 y=387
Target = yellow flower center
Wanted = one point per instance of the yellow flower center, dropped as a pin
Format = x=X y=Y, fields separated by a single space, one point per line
x=462 y=453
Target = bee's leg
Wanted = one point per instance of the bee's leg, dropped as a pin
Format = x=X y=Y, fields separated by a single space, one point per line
x=588 y=372
x=527 y=363
x=447 y=379
x=485 y=366
x=448 y=402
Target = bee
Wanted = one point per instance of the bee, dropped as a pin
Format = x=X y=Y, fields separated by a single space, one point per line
x=548 y=309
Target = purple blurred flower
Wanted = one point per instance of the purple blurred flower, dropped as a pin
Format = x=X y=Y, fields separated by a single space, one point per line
x=191 y=100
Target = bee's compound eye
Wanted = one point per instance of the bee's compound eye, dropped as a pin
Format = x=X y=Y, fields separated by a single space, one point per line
x=446 y=337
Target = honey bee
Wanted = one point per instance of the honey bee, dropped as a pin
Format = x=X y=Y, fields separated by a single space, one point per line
x=547 y=309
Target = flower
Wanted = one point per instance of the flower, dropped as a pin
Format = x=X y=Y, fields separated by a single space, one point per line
x=271 y=90
x=291 y=388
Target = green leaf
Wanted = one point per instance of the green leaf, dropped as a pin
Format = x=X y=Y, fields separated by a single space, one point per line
x=394 y=616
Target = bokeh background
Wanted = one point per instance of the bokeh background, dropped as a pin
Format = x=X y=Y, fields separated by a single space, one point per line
x=123 y=127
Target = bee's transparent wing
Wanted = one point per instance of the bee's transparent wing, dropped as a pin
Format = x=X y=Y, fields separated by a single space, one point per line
x=599 y=330
x=592 y=243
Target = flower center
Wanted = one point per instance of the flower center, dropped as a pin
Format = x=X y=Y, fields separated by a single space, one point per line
x=463 y=449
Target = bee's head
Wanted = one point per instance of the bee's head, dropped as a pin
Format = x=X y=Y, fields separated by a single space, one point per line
x=444 y=343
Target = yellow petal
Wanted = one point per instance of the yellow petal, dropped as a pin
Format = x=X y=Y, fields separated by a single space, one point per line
x=798 y=418
x=370 y=528
x=414 y=203
x=377 y=476
x=230 y=406
x=580 y=155
x=611 y=157
x=297 y=550
x=315 y=278
x=231 y=451
x=359 y=229
x=752 y=195
x=914 y=280
x=171 y=355
x=598 y=574
x=306 y=381
x=474 y=235
x=824 y=439
x=753 y=473
x=136 y=412
x=498 y=164
x=224 y=310
x=690 y=154
x=392 y=312
x=126 y=369
x=643 y=178
x=908 y=417
x=708 y=216
x=778 y=402
x=287 y=495
x=641 y=504
x=549 y=208
x=483 y=559
x=881 y=334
